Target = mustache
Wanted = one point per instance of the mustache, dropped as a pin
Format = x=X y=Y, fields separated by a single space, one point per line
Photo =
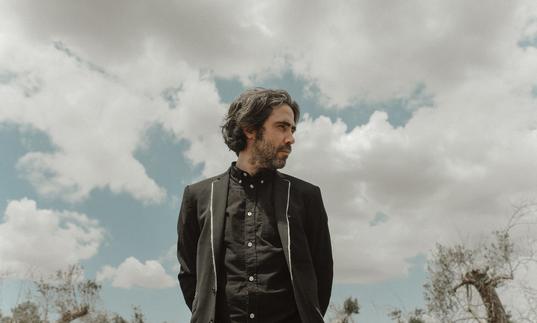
x=286 y=148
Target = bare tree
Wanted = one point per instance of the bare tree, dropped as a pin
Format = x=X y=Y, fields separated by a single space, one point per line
x=65 y=296
x=415 y=316
x=344 y=314
x=137 y=315
x=107 y=317
x=68 y=293
x=103 y=317
x=26 y=312
x=118 y=319
x=463 y=280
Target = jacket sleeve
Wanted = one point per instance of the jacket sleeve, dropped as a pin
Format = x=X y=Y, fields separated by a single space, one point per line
x=188 y=233
x=321 y=252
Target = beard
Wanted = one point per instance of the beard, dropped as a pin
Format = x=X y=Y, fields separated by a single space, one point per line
x=265 y=155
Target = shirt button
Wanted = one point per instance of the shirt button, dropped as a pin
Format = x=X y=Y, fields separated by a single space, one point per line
x=252 y=315
x=250 y=244
x=251 y=186
x=251 y=278
x=249 y=213
x=244 y=174
x=240 y=181
x=262 y=181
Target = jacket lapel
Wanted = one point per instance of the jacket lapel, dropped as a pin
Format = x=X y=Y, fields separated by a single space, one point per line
x=219 y=201
x=282 y=190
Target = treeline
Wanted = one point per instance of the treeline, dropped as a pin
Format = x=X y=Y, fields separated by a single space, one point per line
x=65 y=297
x=462 y=286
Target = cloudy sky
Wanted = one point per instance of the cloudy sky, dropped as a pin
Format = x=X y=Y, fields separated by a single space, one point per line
x=419 y=124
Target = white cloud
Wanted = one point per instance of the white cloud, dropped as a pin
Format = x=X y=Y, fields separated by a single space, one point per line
x=97 y=119
x=39 y=241
x=351 y=50
x=94 y=122
x=376 y=50
x=197 y=118
x=133 y=273
x=223 y=37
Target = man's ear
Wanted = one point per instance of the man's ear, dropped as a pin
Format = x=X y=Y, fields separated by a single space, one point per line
x=249 y=133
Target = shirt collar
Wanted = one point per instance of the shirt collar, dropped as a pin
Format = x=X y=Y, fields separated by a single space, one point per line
x=263 y=176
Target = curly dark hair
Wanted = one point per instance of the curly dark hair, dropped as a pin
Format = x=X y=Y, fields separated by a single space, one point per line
x=249 y=111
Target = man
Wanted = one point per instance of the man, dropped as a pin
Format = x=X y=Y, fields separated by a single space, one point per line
x=253 y=243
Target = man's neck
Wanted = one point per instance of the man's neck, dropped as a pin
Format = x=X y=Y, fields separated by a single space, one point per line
x=243 y=163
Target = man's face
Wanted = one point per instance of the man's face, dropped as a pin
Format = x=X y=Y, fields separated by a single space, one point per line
x=273 y=142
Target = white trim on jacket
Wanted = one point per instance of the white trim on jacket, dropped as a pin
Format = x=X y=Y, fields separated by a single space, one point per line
x=288 y=230
x=212 y=238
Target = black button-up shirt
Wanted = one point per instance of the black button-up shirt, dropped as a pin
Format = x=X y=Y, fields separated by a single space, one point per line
x=257 y=281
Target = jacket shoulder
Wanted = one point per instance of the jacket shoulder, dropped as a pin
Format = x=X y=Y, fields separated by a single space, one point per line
x=298 y=183
x=205 y=183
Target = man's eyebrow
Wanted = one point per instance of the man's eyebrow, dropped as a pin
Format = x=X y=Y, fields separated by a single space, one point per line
x=293 y=127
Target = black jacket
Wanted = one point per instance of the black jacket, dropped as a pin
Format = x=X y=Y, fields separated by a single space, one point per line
x=303 y=229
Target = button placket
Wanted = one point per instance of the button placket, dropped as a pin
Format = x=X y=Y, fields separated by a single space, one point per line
x=250 y=252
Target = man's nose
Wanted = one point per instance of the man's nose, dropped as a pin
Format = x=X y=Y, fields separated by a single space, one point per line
x=290 y=139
